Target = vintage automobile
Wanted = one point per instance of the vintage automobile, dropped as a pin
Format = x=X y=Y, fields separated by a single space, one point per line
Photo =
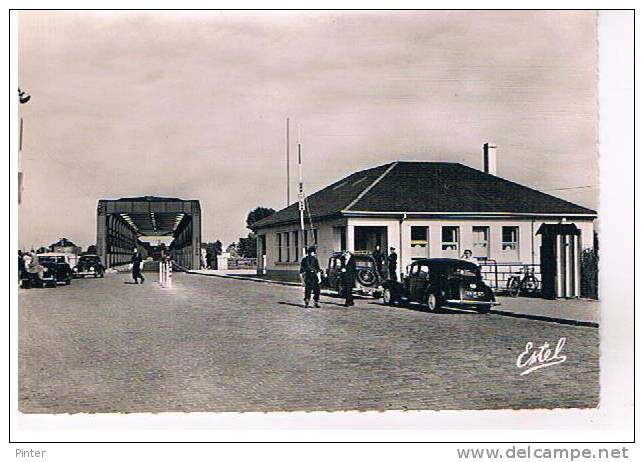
x=89 y=265
x=56 y=270
x=441 y=282
x=368 y=281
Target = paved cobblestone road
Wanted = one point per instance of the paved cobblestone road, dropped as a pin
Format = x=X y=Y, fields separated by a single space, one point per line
x=213 y=344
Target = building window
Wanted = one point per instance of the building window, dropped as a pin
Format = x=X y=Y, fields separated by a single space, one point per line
x=287 y=245
x=296 y=245
x=450 y=241
x=419 y=242
x=279 y=247
x=480 y=241
x=510 y=242
x=307 y=233
x=510 y=238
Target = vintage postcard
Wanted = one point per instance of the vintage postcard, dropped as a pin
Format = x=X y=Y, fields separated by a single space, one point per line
x=262 y=211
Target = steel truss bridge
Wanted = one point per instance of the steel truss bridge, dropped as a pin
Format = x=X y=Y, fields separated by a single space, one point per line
x=121 y=222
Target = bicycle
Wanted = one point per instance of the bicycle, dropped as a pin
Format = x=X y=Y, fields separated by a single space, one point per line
x=522 y=282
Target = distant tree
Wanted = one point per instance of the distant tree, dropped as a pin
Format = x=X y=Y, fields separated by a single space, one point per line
x=258 y=214
x=214 y=248
x=247 y=246
x=233 y=249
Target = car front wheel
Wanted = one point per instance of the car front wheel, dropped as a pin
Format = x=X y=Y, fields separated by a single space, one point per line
x=432 y=303
x=388 y=297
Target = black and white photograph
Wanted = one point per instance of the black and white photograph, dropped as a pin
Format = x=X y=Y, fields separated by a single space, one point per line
x=289 y=211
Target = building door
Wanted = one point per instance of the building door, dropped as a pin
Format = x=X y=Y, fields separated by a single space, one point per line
x=366 y=238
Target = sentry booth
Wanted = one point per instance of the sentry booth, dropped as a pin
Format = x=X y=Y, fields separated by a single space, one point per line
x=560 y=260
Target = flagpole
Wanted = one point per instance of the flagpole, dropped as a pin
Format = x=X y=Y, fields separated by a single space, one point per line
x=288 y=163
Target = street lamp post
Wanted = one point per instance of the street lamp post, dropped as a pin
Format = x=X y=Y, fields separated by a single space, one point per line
x=23 y=97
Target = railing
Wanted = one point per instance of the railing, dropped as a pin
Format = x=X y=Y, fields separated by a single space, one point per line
x=496 y=275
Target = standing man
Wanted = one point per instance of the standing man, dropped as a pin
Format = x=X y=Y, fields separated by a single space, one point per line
x=378 y=258
x=21 y=265
x=136 y=267
x=467 y=256
x=310 y=275
x=348 y=271
x=392 y=263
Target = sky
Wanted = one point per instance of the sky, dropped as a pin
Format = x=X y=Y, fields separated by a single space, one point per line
x=193 y=105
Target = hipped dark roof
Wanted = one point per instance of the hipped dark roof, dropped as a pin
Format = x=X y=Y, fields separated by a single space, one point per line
x=438 y=187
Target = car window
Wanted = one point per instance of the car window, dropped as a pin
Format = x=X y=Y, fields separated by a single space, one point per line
x=423 y=270
x=412 y=269
x=364 y=263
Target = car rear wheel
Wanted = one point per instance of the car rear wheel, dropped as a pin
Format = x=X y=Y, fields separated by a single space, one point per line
x=388 y=297
x=432 y=303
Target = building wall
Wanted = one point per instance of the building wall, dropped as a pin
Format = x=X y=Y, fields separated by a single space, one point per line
x=399 y=236
x=328 y=242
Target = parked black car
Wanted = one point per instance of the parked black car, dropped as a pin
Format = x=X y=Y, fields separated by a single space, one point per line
x=368 y=281
x=56 y=270
x=441 y=282
x=89 y=265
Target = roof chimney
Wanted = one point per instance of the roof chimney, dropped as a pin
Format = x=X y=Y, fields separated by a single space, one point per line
x=489 y=158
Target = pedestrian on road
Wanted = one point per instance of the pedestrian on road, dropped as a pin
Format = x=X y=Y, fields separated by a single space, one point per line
x=348 y=270
x=137 y=261
x=392 y=263
x=310 y=274
x=208 y=260
x=21 y=264
x=378 y=258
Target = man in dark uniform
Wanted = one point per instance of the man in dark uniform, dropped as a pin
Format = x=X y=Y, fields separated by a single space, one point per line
x=136 y=267
x=392 y=264
x=310 y=275
x=348 y=271
x=378 y=258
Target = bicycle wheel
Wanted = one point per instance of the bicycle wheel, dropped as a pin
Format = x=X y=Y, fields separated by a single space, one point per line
x=530 y=284
x=513 y=287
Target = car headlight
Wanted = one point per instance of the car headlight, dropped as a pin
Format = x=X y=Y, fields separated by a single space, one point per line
x=91 y=268
x=45 y=270
x=75 y=270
